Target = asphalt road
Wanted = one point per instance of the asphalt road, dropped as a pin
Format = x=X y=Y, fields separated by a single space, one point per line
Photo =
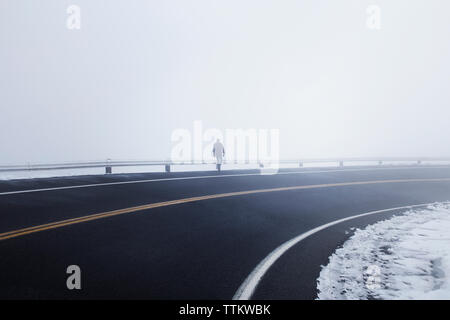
x=200 y=248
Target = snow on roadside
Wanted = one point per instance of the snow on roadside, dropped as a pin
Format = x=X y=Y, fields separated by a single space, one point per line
x=405 y=257
x=30 y=174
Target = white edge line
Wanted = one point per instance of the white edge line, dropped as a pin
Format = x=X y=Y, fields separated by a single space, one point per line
x=250 y=284
x=202 y=177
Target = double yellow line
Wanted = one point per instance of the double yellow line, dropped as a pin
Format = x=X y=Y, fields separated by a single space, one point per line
x=68 y=222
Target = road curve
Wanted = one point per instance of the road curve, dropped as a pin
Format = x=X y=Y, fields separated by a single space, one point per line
x=191 y=235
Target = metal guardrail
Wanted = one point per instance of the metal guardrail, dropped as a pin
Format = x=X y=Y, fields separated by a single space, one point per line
x=109 y=164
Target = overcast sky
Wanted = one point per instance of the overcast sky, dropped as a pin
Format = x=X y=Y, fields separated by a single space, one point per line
x=137 y=70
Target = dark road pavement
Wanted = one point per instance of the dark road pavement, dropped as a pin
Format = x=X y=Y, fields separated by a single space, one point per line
x=202 y=249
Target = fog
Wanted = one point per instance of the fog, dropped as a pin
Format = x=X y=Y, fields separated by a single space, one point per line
x=137 y=70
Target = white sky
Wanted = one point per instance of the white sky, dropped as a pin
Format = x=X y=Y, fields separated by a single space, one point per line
x=137 y=70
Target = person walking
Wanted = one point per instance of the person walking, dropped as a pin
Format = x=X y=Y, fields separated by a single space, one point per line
x=219 y=153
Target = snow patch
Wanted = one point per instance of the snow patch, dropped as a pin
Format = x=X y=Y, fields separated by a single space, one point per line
x=405 y=257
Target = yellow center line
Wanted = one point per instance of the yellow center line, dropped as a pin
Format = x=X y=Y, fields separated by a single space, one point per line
x=67 y=222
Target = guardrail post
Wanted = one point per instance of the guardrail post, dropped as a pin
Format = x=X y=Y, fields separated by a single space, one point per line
x=167 y=167
x=108 y=170
x=341 y=163
x=300 y=164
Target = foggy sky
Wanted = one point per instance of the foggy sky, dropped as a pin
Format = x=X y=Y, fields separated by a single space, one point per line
x=138 y=70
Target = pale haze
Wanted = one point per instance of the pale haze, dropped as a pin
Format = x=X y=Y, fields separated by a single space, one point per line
x=138 y=70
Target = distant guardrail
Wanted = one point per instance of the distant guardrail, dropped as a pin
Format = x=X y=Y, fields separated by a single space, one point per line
x=109 y=164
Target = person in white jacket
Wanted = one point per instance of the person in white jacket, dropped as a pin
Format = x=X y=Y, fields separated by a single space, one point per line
x=219 y=153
